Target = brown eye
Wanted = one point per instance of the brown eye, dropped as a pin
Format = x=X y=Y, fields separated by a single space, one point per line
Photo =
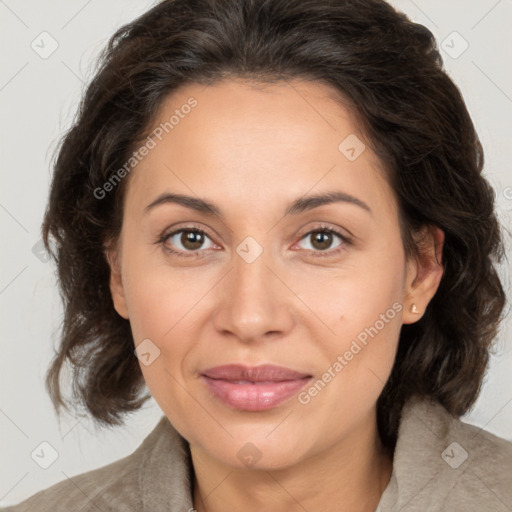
x=191 y=240
x=185 y=241
x=322 y=239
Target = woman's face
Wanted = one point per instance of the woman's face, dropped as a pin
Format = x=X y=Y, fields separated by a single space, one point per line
x=271 y=284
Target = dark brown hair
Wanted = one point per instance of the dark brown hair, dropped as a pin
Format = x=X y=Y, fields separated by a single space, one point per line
x=414 y=117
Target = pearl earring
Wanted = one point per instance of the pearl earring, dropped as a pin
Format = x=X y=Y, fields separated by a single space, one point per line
x=414 y=309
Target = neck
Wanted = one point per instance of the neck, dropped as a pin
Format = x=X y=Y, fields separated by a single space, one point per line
x=349 y=476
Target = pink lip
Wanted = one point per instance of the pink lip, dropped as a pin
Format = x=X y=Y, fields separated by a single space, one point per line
x=254 y=388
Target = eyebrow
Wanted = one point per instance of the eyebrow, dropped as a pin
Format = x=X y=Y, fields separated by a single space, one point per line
x=300 y=205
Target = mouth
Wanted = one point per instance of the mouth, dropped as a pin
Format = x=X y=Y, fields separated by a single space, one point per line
x=256 y=388
x=262 y=373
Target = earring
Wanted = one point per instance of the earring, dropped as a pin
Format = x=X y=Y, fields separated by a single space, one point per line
x=414 y=309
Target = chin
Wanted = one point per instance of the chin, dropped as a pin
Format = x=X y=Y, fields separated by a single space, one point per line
x=253 y=448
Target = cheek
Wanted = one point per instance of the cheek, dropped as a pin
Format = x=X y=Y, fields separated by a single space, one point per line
x=160 y=300
x=164 y=305
x=366 y=337
x=355 y=298
x=363 y=310
x=358 y=357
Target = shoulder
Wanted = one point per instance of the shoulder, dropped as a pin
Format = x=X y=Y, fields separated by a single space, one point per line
x=115 y=486
x=444 y=463
x=484 y=465
x=99 y=489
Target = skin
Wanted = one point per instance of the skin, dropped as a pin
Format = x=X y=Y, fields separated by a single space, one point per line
x=252 y=151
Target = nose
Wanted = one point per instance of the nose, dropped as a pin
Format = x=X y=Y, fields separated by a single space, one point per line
x=255 y=303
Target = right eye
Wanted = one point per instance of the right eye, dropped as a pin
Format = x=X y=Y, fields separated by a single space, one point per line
x=190 y=239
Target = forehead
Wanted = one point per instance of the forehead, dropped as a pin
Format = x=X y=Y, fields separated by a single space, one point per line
x=242 y=143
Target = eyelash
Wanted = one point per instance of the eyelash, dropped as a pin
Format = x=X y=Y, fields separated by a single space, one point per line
x=200 y=253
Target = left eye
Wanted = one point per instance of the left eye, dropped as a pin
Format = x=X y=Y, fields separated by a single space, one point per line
x=322 y=239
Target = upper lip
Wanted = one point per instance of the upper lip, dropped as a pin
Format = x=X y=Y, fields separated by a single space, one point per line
x=265 y=372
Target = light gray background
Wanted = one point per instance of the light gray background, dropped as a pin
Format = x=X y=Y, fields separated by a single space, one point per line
x=38 y=97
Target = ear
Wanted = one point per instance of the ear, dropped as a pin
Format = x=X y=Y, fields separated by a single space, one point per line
x=424 y=273
x=113 y=256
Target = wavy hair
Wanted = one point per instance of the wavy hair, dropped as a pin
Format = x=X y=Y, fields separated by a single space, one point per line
x=389 y=70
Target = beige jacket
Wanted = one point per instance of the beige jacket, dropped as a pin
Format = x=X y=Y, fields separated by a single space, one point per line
x=440 y=464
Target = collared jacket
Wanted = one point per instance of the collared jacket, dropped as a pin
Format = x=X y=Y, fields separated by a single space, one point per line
x=440 y=464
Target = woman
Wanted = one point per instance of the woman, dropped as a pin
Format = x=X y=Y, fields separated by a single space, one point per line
x=272 y=213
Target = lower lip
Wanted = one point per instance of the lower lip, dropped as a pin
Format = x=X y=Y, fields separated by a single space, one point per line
x=254 y=397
